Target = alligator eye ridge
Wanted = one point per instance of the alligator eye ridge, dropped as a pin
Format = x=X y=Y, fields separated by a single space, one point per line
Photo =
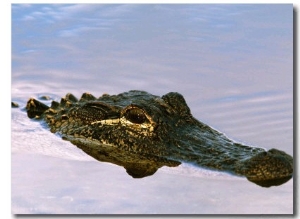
x=135 y=115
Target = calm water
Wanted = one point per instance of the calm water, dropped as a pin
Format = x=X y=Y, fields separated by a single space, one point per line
x=232 y=63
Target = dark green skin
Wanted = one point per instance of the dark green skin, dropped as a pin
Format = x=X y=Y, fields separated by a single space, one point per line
x=149 y=132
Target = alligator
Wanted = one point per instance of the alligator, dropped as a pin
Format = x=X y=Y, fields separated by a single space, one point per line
x=143 y=132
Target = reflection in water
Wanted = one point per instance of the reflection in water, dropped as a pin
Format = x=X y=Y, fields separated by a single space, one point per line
x=143 y=132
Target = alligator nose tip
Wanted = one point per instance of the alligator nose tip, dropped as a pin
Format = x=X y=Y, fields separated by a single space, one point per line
x=270 y=168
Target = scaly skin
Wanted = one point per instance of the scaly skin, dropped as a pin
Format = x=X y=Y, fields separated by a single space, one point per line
x=143 y=132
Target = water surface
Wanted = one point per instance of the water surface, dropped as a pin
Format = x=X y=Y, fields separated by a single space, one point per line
x=232 y=63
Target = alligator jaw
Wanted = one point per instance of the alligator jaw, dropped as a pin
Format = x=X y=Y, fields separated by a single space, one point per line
x=209 y=148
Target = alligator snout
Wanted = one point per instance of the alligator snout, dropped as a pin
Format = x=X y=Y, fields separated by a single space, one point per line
x=268 y=168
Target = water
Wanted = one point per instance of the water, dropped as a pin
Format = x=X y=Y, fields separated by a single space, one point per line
x=232 y=63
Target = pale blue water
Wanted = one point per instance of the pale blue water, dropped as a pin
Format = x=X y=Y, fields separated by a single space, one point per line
x=232 y=63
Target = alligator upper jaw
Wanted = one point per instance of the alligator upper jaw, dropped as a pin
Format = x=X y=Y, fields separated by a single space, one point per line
x=264 y=168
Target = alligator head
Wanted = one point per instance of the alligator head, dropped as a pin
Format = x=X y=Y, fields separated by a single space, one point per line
x=143 y=132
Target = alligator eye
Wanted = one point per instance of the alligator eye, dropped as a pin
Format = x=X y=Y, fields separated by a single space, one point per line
x=135 y=115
